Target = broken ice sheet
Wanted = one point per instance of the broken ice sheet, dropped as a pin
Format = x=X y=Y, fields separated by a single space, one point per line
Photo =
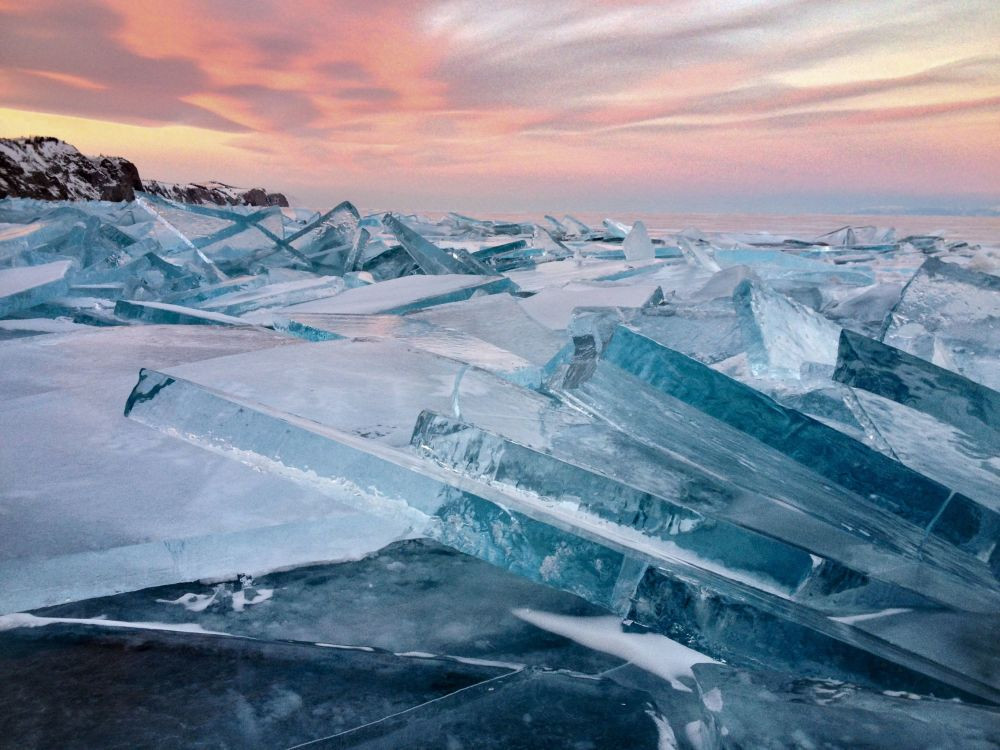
x=499 y=319
x=278 y=294
x=535 y=549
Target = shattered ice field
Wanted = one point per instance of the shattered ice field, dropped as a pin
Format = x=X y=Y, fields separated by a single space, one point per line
x=278 y=477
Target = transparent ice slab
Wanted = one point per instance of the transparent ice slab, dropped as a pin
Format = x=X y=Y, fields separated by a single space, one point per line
x=488 y=253
x=405 y=294
x=26 y=286
x=866 y=310
x=539 y=540
x=330 y=240
x=501 y=320
x=430 y=258
x=149 y=276
x=707 y=331
x=933 y=419
x=113 y=506
x=667 y=501
x=781 y=335
x=160 y=312
x=880 y=482
x=279 y=421
x=637 y=245
x=554 y=307
x=774 y=264
x=233 y=239
x=950 y=316
x=210 y=291
x=281 y=294
x=419 y=334
x=615 y=229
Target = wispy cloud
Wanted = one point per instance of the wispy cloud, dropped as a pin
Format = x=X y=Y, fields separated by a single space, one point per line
x=429 y=92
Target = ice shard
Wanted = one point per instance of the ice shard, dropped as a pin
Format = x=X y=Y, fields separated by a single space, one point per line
x=783 y=337
x=554 y=308
x=932 y=419
x=949 y=315
x=615 y=230
x=696 y=253
x=280 y=294
x=774 y=264
x=707 y=331
x=636 y=244
x=501 y=320
x=445 y=342
x=886 y=484
x=430 y=258
x=973 y=408
x=160 y=312
x=406 y=294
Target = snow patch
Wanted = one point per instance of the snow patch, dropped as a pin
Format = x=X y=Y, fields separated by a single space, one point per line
x=650 y=651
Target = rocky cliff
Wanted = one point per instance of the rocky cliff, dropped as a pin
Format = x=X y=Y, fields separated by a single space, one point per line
x=50 y=169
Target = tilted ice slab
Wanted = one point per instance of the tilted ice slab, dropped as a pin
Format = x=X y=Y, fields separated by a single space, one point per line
x=419 y=334
x=888 y=488
x=554 y=307
x=781 y=335
x=285 y=412
x=26 y=286
x=431 y=258
x=950 y=316
x=160 y=312
x=561 y=272
x=405 y=294
x=681 y=507
x=211 y=291
x=112 y=506
x=775 y=264
x=279 y=294
x=708 y=331
x=499 y=319
x=933 y=419
x=611 y=566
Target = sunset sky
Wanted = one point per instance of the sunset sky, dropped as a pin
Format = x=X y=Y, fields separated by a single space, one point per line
x=680 y=105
